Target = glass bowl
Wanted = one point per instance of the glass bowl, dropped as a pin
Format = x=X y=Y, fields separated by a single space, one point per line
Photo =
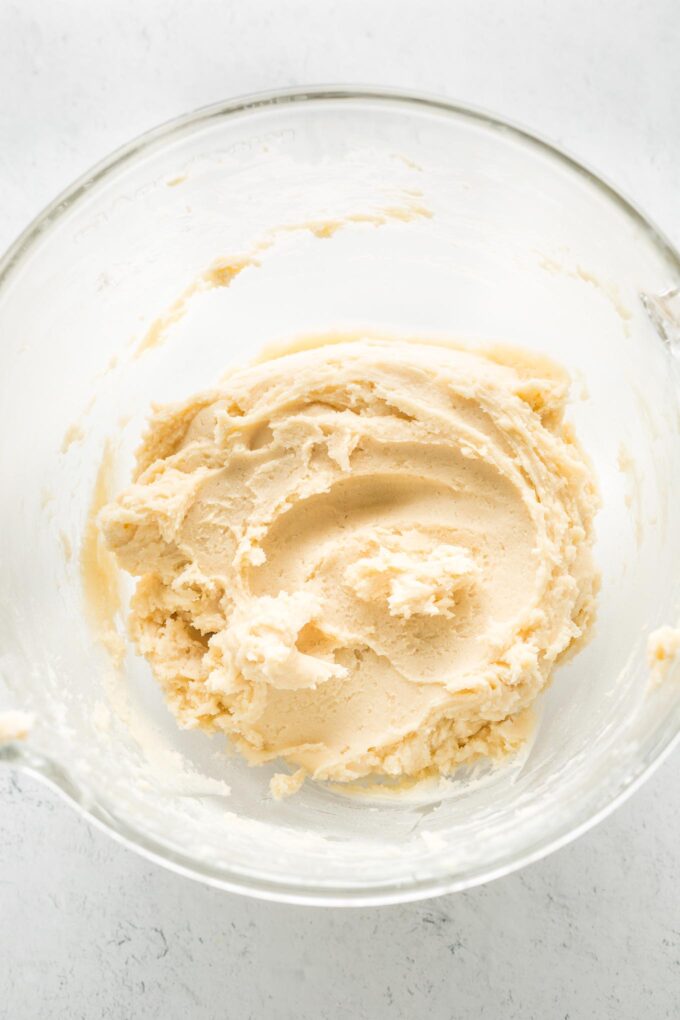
x=361 y=212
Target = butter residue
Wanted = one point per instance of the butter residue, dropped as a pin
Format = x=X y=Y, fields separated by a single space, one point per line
x=633 y=497
x=222 y=271
x=98 y=568
x=74 y=434
x=155 y=334
x=219 y=273
x=608 y=289
x=66 y=546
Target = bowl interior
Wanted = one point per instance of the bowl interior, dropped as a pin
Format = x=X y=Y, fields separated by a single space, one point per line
x=342 y=215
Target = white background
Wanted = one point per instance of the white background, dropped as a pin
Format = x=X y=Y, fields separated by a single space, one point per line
x=87 y=929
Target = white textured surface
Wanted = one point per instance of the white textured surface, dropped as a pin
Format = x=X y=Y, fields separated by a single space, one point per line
x=86 y=928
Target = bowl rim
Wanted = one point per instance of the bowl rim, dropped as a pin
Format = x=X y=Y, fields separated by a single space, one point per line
x=256 y=885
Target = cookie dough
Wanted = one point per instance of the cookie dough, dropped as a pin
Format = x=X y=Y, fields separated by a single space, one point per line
x=15 y=725
x=363 y=559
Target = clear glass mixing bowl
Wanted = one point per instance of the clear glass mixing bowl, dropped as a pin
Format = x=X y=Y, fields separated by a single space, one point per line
x=367 y=211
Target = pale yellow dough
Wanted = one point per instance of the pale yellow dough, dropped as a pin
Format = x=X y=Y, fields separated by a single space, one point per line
x=363 y=558
x=663 y=649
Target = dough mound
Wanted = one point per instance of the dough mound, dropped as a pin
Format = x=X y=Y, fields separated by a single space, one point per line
x=364 y=558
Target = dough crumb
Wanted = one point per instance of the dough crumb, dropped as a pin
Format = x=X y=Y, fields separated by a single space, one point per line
x=414 y=576
x=15 y=725
x=284 y=785
x=663 y=649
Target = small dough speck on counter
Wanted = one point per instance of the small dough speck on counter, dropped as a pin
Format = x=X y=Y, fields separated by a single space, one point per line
x=362 y=559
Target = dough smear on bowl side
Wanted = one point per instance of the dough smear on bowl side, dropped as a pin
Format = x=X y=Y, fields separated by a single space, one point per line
x=362 y=559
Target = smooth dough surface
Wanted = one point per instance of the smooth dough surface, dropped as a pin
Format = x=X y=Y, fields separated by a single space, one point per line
x=363 y=558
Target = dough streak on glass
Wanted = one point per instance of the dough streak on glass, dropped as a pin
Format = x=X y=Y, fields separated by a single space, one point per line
x=363 y=559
